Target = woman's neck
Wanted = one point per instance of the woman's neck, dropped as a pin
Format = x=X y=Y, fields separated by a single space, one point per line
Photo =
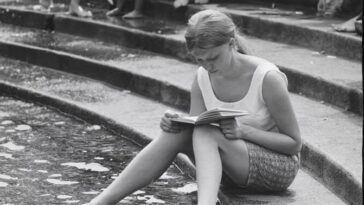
x=238 y=66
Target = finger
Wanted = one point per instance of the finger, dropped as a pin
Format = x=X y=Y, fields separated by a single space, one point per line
x=227 y=136
x=164 y=127
x=169 y=129
x=224 y=122
x=226 y=127
x=171 y=114
x=227 y=121
x=230 y=137
x=228 y=131
x=166 y=121
x=225 y=131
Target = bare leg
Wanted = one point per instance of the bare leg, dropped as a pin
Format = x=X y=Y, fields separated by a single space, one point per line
x=118 y=10
x=179 y=3
x=347 y=26
x=45 y=5
x=76 y=10
x=147 y=166
x=201 y=1
x=213 y=153
x=137 y=12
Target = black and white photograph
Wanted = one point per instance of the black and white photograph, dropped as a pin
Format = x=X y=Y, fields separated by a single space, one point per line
x=181 y=102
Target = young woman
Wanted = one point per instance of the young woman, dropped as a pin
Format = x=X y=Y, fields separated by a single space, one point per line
x=259 y=151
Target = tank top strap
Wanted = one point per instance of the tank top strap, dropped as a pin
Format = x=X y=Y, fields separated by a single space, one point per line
x=258 y=78
x=254 y=96
x=208 y=94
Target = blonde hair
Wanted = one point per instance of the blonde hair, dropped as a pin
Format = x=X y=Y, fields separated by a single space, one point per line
x=211 y=28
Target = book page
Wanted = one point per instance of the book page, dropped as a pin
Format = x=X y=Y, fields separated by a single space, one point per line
x=185 y=119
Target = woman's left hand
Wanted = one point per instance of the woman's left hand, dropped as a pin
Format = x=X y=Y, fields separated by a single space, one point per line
x=231 y=128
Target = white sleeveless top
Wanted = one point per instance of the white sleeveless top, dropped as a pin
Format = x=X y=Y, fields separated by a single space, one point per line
x=252 y=102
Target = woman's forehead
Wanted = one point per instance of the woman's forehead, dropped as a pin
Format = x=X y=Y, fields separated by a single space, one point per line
x=205 y=52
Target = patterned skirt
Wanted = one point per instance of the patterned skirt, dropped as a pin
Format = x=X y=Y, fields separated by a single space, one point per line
x=269 y=171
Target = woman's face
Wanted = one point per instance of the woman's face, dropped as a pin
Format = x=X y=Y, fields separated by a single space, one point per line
x=215 y=59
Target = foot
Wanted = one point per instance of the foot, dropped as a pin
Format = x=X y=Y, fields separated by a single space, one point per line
x=133 y=15
x=45 y=3
x=114 y=12
x=359 y=26
x=179 y=3
x=348 y=26
x=78 y=11
x=201 y=1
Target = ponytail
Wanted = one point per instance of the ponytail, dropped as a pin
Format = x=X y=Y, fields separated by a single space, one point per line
x=241 y=45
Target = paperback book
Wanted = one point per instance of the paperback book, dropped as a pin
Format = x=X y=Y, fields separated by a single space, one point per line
x=210 y=116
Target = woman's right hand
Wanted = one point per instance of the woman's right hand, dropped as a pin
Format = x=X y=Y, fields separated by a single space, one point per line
x=167 y=125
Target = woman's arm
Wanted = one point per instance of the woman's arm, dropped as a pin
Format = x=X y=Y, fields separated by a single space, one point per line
x=196 y=107
x=276 y=97
x=288 y=139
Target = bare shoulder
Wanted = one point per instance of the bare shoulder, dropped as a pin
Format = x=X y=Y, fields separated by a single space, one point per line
x=275 y=78
x=274 y=86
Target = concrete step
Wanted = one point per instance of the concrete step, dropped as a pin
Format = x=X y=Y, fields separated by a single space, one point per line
x=292 y=25
x=131 y=115
x=289 y=24
x=325 y=129
x=328 y=78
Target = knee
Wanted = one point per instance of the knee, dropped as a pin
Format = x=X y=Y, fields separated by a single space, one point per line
x=180 y=139
x=205 y=133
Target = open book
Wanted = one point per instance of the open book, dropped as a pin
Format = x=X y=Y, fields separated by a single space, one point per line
x=210 y=116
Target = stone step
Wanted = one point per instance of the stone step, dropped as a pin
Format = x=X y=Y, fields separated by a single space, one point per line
x=325 y=129
x=292 y=25
x=289 y=24
x=129 y=114
x=324 y=77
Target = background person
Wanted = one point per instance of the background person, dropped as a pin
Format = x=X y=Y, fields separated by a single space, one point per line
x=74 y=8
x=136 y=13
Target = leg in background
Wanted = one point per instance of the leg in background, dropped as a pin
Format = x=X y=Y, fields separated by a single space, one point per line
x=118 y=10
x=137 y=12
x=76 y=10
x=45 y=5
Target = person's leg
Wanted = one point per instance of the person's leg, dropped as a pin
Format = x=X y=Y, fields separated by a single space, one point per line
x=214 y=153
x=46 y=4
x=147 y=166
x=347 y=26
x=137 y=12
x=180 y=3
x=118 y=10
x=76 y=10
x=201 y=1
